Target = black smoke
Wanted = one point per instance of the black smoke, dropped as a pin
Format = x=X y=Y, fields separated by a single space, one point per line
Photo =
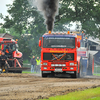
x=49 y=9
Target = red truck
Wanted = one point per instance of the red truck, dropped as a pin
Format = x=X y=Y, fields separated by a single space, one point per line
x=59 y=54
x=65 y=53
x=11 y=59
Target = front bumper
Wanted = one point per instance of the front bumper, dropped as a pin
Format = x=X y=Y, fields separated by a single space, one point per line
x=59 y=69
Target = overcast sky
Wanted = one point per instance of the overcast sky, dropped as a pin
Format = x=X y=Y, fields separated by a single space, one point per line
x=3 y=8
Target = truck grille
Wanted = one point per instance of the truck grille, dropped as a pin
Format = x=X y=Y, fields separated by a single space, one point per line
x=58 y=56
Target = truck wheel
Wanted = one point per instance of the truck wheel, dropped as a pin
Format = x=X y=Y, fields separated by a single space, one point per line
x=90 y=65
x=75 y=75
x=44 y=74
x=52 y=74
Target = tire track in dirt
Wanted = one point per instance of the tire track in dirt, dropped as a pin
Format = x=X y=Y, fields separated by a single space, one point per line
x=32 y=87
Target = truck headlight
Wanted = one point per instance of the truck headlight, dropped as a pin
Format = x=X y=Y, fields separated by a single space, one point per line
x=52 y=65
x=44 y=63
x=63 y=64
x=60 y=65
x=71 y=68
x=45 y=67
x=56 y=64
x=71 y=64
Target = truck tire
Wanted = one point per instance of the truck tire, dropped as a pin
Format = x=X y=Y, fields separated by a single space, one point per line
x=52 y=74
x=75 y=75
x=44 y=74
x=90 y=65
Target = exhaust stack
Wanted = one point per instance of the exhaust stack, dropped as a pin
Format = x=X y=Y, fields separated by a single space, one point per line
x=49 y=8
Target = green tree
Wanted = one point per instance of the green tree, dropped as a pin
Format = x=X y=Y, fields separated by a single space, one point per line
x=2 y=30
x=84 y=11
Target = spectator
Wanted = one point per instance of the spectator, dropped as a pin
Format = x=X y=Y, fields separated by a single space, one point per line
x=7 y=49
x=3 y=56
x=37 y=65
x=33 y=63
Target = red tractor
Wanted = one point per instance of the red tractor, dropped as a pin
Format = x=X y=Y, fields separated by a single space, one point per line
x=10 y=58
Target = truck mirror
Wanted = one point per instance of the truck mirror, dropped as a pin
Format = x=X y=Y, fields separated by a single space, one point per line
x=78 y=44
x=39 y=43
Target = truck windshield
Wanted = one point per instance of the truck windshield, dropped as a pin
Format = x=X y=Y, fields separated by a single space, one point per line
x=53 y=42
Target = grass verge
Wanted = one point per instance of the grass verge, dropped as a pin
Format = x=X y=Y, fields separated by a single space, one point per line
x=96 y=74
x=28 y=72
x=90 y=94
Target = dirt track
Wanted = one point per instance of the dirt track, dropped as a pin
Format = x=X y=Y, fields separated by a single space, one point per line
x=30 y=87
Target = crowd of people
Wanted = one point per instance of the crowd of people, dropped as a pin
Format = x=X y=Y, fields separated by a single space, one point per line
x=35 y=65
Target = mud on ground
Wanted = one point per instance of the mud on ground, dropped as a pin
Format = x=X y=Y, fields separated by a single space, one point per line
x=31 y=87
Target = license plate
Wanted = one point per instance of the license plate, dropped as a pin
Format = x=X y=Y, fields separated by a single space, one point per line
x=58 y=69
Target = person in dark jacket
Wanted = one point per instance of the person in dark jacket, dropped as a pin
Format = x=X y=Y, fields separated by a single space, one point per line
x=3 y=56
x=33 y=63
x=7 y=49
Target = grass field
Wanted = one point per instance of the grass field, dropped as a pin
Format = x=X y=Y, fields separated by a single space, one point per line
x=96 y=68
x=28 y=72
x=90 y=94
x=96 y=74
